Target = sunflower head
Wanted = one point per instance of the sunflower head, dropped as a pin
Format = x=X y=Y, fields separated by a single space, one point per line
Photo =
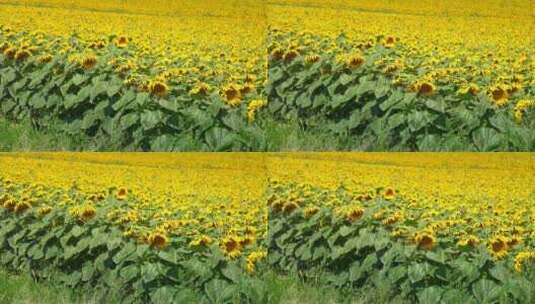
x=121 y=194
x=158 y=240
x=10 y=52
x=22 y=206
x=21 y=55
x=355 y=61
x=121 y=42
x=498 y=247
x=354 y=214
x=232 y=94
x=89 y=61
x=389 y=194
x=310 y=211
x=425 y=88
x=87 y=213
x=425 y=240
x=291 y=55
x=289 y=207
x=310 y=59
x=277 y=53
x=158 y=88
x=499 y=95
x=44 y=210
x=231 y=246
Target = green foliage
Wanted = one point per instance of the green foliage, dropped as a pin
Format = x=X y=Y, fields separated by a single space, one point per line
x=97 y=103
x=363 y=254
x=363 y=104
x=95 y=254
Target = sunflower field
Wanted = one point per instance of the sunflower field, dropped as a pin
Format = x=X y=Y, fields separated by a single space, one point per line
x=147 y=77
x=411 y=75
x=219 y=75
x=153 y=226
x=431 y=228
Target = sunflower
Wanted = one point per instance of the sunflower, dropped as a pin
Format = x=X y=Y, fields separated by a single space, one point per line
x=86 y=213
x=121 y=194
x=290 y=55
x=355 y=61
x=354 y=214
x=121 y=42
x=232 y=94
x=158 y=240
x=22 y=206
x=158 y=88
x=498 y=247
x=469 y=241
x=310 y=59
x=425 y=240
x=289 y=207
x=499 y=95
x=389 y=194
x=277 y=53
x=89 y=61
x=425 y=88
x=201 y=241
x=10 y=52
x=9 y=204
x=22 y=55
x=310 y=211
x=231 y=246
x=44 y=210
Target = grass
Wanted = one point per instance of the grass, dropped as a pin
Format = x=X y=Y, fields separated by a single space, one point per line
x=279 y=289
x=22 y=136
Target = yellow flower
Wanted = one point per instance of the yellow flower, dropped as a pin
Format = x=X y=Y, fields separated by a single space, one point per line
x=158 y=240
x=158 y=88
x=22 y=206
x=355 y=61
x=289 y=207
x=232 y=94
x=425 y=240
x=22 y=55
x=121 y=194
x=354 y=214
x=498 y=247
x=389 y=194
x=121 y=42
x=231 y=246
x=89 y=61
x=499 y=94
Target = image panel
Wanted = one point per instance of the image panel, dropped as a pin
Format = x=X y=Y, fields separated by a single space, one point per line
x=131 y=75
x=405 y=228
x=404 y=75
x=132 y=228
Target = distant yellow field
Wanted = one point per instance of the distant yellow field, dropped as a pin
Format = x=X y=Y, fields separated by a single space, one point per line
x=204 y=39
x=197 y=195
x=458 y=46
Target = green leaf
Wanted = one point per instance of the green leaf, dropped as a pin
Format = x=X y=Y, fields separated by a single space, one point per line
x=163 y=295
x=113 y=89
x=232 y=272
x=430 y=295
x=436 y=105
x=169 y=256
x=130 y=272
x=416 y=272
x=485 y=291
x=150 y=119
x=129 y=120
